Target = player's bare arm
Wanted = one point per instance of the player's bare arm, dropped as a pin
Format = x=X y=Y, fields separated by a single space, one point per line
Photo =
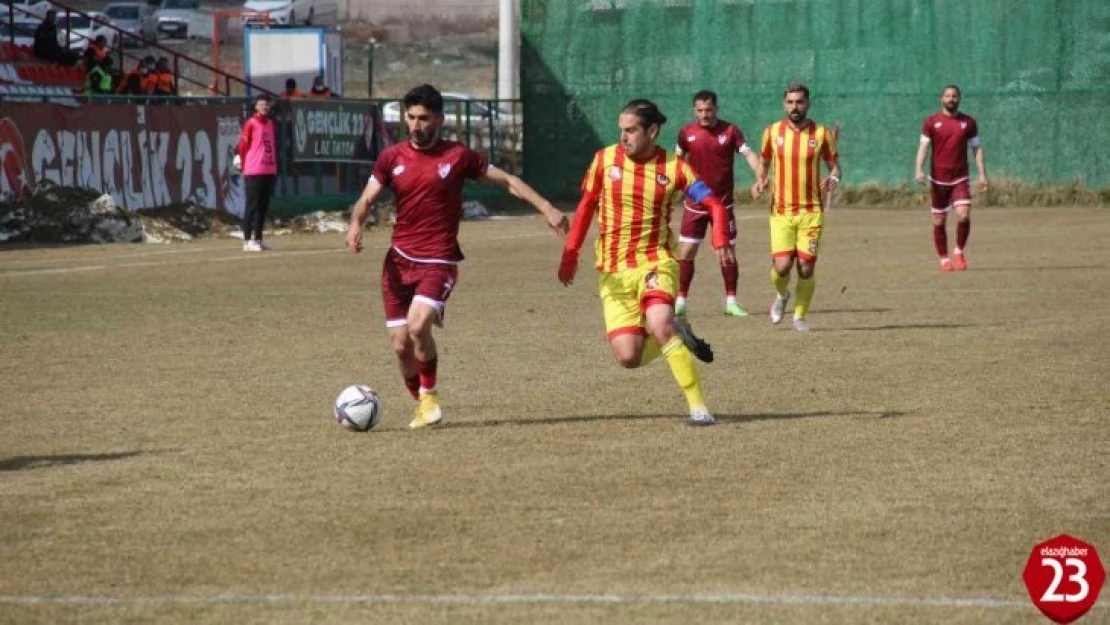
x=981 y=163
x=760 y=178
x=753 y=161
x=919 y=167
x=516 y=187
x=830 y=183
x=361 y=211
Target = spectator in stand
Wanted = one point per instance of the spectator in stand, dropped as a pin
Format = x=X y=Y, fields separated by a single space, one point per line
x=163 y=78
x=96 y=52
x=291 y=90
x=139 y=81
x=98 y=80
x=46 y=45
x=319 y=89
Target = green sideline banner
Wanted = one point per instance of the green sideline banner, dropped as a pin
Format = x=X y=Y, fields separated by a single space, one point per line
x=336 y=131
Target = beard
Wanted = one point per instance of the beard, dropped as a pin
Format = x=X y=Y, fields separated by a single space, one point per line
x=951 y=107
x=422 y=138
x=796 y=116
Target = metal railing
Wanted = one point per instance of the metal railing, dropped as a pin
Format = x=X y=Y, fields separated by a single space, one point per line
x=222 y=82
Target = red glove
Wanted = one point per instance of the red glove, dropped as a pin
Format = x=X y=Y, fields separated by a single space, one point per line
x=568 y=266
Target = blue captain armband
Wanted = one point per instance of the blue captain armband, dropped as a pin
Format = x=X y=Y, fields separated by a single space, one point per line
x=698 y=191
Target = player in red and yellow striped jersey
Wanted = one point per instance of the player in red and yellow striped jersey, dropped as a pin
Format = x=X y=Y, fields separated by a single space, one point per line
x=632 y=187
x=795 y=147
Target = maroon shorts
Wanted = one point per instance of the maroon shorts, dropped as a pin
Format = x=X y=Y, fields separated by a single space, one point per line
x=945 y=196
x=405 y=281
x=695 y=223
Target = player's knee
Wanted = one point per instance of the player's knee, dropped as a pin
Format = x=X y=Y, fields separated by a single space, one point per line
x=402 y=344
x=939 y=219
x=659 y=331
x=628 y=360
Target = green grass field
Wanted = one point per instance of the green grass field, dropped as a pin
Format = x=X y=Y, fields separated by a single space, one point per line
x=167 y=452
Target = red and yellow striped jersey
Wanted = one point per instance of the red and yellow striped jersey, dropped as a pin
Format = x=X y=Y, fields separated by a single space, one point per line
x=635 y=200
x=796 y=156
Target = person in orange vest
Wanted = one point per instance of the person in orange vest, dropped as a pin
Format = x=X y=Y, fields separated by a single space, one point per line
x=163 y=78
x=291 y=90
x=319 y=89
x=96 y=52
x=138 y=81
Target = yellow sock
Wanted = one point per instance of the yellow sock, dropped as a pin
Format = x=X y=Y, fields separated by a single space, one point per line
x=781 y=283
x=804 y=295
x=685 y=371
x=651 y=351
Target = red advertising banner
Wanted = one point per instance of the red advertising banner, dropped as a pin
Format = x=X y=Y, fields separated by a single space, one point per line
x=144 y=156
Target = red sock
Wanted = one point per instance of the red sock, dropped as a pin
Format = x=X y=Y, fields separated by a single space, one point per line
x=963 y=231
x=940 y=239
x=413 y=384
x=685 y=276
x=731 y=274
x=428 y=374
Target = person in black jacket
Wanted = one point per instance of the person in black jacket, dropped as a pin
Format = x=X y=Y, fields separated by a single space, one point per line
x=46 y=42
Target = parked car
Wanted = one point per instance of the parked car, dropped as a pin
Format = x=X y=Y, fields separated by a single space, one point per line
x=454 y=105
x=82 y=30
x=21 y=32
x=290 y=12
x=29 y=9
x=467 y=119
x=130 y=17
x=172 y=18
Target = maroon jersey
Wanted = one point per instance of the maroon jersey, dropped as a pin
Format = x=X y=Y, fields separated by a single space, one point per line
x=711 y=152
x=950 y=137
x=428 y=188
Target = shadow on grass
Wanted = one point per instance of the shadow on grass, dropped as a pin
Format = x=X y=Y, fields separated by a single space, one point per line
x=677 y=418
x=900 y=326
x=20 y=463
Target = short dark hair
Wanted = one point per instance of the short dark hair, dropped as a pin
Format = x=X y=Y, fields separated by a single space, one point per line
x=262 y=97
x=425 y=95
x=796 y=87
x=947 y=87
x=290 y=83
x=706 y=95
x=646 y=110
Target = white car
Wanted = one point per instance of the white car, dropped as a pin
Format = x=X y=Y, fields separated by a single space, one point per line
x=455 y=112
x=82 y=31
x=29 y=9
x=22 y=29
x=290 y=12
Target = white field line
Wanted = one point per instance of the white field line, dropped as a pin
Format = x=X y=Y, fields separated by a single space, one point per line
x=939 y=601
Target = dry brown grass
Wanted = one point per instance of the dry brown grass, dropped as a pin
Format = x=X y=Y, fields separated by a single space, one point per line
x=166 y=441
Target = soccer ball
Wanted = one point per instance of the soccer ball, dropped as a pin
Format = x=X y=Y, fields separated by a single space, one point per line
x=358 y=408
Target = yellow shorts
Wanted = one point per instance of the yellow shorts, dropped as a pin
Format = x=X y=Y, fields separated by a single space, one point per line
x=625 y=295
x=796 y=235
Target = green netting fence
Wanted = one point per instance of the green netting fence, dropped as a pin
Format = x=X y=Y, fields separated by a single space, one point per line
x=1035 y=73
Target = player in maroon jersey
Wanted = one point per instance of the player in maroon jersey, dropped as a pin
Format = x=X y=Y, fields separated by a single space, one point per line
x=426 y=174
x=950 y=133
x=710 y=145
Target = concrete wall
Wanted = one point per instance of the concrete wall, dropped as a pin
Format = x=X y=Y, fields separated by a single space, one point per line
x=378 y=11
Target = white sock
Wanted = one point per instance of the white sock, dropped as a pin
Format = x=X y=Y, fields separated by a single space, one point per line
x=680 y=301
x=958 y=251
x=730 y=299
